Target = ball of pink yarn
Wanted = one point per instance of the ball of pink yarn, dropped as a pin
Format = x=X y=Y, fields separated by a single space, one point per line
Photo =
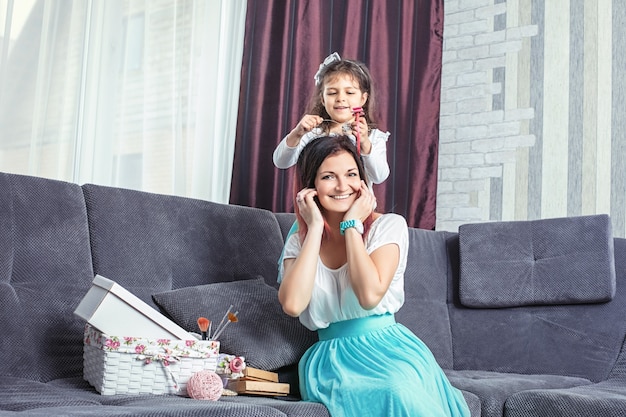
x=205 y=385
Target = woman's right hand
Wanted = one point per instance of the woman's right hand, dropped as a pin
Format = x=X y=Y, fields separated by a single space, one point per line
x=309 y=210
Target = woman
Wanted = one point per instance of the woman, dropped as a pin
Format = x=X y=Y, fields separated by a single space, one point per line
x=343 y=275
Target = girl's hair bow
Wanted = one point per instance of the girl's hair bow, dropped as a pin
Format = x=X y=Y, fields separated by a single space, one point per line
x=334 y=57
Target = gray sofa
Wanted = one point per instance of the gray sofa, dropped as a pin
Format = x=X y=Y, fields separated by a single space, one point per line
x=526 y=318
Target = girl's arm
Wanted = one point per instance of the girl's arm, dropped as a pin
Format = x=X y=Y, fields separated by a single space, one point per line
x=284 y=156
x=375 y=161
x=287 y=152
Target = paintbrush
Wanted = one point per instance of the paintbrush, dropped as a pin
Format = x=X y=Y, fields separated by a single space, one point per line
x=232 y=318
x=203 y=324
x=219 y=326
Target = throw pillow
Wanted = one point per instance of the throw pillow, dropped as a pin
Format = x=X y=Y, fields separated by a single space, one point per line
x=264 y=334
x=567 y=260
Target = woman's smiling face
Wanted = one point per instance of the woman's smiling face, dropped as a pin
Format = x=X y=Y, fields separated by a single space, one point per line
x=338 y=182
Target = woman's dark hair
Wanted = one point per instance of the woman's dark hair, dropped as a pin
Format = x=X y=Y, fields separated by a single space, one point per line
x=359 y=72
x=309 y=162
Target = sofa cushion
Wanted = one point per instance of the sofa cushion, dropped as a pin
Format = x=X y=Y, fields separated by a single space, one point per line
x=493 y=388
x=174 y=405
x=581 y=340
x=606 y=398
x=264 y=334
x=19 y=394
x=45 y=269
x=425 y=311
x=549 y=261
x=151 y=243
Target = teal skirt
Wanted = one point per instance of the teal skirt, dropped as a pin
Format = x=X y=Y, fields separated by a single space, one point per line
x=376 y=367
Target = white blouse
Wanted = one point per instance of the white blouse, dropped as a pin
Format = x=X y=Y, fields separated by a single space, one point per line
x=333 y=299
x=375 y=163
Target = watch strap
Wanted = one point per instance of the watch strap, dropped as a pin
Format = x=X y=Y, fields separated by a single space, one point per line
x=346 y=224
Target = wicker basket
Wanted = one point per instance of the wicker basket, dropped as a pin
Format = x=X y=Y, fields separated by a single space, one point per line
x=132 y=365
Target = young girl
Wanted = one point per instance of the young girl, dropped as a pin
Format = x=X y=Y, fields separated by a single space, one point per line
x=343 y=275
x=340 y=86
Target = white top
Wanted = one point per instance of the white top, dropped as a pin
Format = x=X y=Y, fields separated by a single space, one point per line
x=333 y=298
x=375 y=163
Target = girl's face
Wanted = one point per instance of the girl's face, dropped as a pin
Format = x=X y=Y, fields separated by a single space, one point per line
x=338 y=182
x=340 y=95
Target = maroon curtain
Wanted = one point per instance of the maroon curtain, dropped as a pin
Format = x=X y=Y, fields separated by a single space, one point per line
x=285 y=41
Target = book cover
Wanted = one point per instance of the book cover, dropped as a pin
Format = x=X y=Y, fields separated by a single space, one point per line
x=254 y=374
x=259 y=387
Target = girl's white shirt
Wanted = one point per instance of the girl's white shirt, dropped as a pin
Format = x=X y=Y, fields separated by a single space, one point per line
x=375 y=163
x=333 y=298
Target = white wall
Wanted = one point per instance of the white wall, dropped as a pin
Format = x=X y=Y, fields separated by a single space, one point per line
x=532 y=106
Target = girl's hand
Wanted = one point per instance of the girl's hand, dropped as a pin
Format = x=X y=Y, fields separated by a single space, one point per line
x=363 y=129
x=363 y=206
x=307 y=123
x=309 y=210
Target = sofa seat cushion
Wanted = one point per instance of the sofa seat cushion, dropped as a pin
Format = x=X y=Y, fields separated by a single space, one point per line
x=164 y=406
x=473 y=403
x=19 y=394
x=267 y=337
x=171 y=405
x=549 y=261
x=607 y=399
x=493 y=388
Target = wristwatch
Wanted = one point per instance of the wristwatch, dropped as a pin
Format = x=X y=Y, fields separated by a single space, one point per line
x=346 y=224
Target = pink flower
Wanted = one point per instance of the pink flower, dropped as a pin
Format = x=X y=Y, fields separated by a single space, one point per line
x=112 y=344
x=163 y=341
x=237 y=365
x=139 y=348
x=190 y=343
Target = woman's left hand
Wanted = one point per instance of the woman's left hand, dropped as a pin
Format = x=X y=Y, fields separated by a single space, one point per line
x=363 y=206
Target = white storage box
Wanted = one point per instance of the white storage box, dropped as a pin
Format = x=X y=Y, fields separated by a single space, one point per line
x=113 y=310
x=133 y=365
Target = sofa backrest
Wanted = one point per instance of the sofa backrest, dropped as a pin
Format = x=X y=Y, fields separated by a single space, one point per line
x=151 y=243
x=425 y=309
x=581 y=339
x=45 y=269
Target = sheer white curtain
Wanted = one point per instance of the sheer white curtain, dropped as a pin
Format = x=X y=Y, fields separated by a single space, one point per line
x=139 y=94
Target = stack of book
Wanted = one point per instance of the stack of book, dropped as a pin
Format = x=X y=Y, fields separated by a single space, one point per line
x=259 y=382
